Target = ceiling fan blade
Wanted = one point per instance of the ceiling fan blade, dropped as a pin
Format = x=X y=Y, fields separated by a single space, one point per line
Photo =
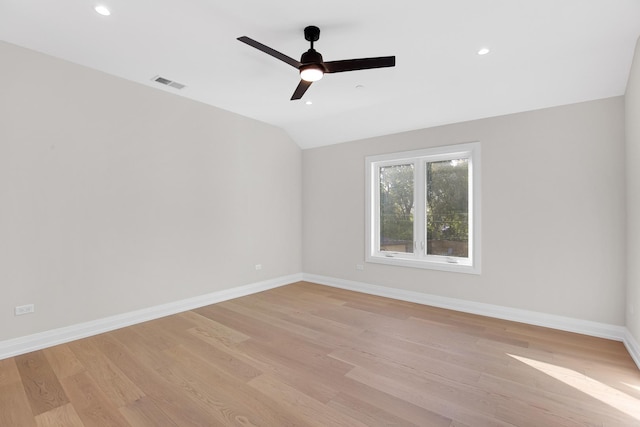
x=300 y=90
x=269 y=51
x=360 y=64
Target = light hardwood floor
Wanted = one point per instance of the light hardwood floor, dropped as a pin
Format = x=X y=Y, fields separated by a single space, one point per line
x=310 y=355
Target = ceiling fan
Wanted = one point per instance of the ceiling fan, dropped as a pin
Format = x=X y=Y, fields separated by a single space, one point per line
x=311 y=65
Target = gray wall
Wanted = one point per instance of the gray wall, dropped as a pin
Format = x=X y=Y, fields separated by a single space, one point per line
x=553 y=211
x=632 y=110
x=116 y=196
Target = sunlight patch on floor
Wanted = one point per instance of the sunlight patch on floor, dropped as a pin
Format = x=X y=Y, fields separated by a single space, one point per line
x=602 y=392
x=635 y=387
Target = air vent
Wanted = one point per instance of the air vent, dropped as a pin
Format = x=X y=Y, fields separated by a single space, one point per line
x=176 y=85
x=168 y=82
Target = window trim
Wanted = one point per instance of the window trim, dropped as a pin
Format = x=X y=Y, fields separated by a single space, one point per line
x=419 y=259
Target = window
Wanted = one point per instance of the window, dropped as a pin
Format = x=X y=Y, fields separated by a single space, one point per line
x=423 y=208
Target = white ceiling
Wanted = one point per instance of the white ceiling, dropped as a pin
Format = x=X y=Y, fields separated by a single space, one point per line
x=543 y=53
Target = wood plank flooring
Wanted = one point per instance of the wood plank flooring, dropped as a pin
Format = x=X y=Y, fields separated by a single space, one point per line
x=310 y=355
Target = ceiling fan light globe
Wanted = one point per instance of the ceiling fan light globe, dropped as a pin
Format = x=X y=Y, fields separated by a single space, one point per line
x=311 y=74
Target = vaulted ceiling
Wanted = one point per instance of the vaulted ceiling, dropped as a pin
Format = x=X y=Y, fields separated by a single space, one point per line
x=542 y=53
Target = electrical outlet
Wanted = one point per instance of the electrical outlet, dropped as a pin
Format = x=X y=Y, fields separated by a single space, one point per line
x=359 y=267
x=24 y=309
x=258 y=266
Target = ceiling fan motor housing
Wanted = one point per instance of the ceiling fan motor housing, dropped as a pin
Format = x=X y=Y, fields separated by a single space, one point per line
x=311 y=57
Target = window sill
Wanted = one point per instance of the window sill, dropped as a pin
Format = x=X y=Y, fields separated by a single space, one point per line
x=441 y=265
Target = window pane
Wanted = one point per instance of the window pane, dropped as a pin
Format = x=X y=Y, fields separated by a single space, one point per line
x=396 y=208
x=448 y=208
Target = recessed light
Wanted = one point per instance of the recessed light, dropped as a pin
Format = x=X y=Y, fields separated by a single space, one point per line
x=359 y=86
x=102 y=10
x=483 y=51
x=309 y=103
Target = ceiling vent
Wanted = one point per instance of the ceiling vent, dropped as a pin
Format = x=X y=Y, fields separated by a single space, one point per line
x=168 y=82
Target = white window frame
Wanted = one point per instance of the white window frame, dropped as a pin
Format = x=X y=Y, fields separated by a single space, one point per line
x=419 y=258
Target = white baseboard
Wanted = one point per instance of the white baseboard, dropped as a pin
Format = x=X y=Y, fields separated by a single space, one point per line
x=585 y=327
x=38 y=341
x=632 y=347
x=569 y=324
